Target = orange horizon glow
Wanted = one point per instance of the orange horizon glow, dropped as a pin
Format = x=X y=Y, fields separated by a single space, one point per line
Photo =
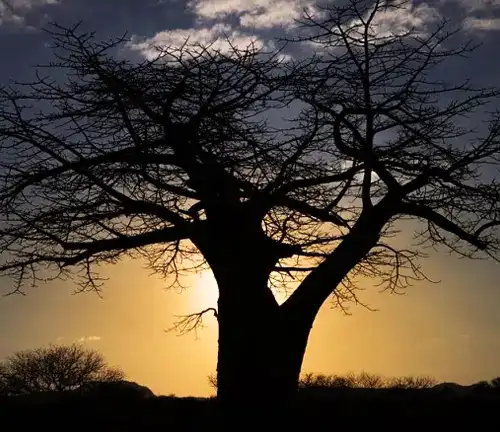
x=447 y=330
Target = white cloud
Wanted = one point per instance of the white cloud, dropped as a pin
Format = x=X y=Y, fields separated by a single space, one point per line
x=265 y=14
x=89 y=339
x=400 y=20
x=220 y=36
x=13 y=11
x=281 y=14
x=256 y=14
x=216 y=9
x=387 y=22
x=482 y=24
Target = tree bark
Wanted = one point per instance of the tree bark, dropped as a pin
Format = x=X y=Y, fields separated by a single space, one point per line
x=259 y=361
x=260 y=348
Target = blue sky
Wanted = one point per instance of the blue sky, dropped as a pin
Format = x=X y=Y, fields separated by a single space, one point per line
x=449 y=330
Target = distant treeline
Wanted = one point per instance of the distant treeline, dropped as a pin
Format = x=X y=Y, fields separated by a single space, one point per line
x=325 y=402
x=372 y=381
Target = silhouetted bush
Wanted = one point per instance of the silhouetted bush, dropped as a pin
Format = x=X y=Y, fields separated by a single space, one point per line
x=495 y=383
x=365 y=380
x=412 y=382
x=55 y=368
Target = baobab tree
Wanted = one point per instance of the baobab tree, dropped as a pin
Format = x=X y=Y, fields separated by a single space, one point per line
x=267 y=169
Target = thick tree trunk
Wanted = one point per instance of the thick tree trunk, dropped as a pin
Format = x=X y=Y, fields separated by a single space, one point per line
x=261 y=347
x=259 y=362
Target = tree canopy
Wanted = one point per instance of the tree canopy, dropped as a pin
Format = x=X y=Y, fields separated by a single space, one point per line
x=120 y=155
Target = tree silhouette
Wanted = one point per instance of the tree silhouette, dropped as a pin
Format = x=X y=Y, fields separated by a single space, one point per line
x=495 y=382
x=366 y=380
x=412 y=382
x=55 y=368
x=351 y=380
x=274 y=172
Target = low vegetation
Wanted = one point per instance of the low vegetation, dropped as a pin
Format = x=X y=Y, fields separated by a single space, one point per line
x=52 y=378
x=56 y=368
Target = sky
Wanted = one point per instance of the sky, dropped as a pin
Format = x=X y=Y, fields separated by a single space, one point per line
x=449 y=330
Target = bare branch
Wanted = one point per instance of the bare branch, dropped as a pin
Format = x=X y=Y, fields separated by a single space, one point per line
x=191 y=322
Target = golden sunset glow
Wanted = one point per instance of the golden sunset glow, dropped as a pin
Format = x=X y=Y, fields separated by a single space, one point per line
x=205 y=289
x=422 y=332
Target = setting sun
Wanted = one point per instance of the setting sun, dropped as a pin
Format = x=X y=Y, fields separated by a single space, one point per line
x=204 y=291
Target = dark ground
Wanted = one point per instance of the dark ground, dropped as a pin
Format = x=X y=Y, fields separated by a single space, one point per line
x=316 y=409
